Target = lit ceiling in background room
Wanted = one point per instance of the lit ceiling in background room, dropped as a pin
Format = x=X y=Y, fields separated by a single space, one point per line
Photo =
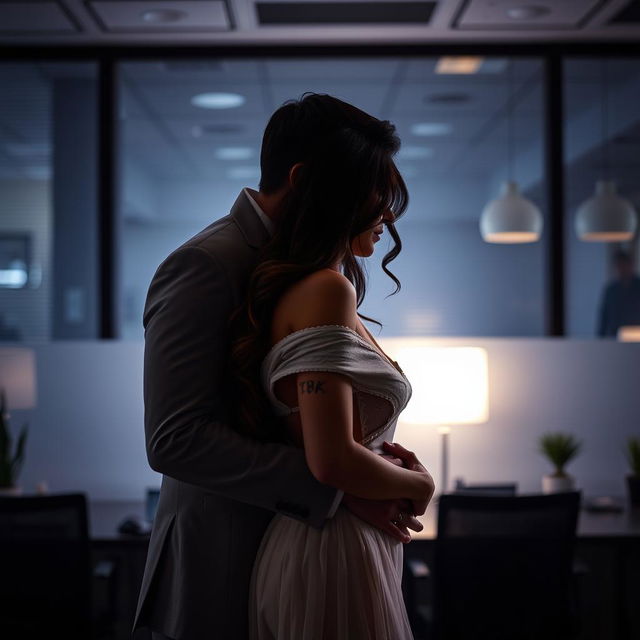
x=450 y=112
x=313 y=21
x=203 y=119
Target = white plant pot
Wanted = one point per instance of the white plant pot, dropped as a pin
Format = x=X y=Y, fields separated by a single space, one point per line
x=10 y=491
x=557 y=484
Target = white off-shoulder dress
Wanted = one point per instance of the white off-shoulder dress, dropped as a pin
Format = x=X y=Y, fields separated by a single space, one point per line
x=342 y=582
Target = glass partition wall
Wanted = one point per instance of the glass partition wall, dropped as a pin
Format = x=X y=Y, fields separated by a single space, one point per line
x=602 y=147
x=185 y=139
x=48 y=202
x=190 y=141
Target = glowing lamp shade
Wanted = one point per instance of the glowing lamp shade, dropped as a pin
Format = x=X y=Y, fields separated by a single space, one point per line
x=450 y=387
x=606 y=217
x=511 y=218
x=450 y=384
x=629 y=333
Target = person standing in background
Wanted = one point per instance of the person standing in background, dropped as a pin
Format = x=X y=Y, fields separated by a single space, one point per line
x=620 y=301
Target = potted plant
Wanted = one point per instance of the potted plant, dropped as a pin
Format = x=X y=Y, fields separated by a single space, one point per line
x=559 y=449
x=633 y=479
x=10 y=462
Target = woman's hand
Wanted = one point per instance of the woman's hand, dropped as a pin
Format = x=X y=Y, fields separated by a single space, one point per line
x=393 y=459
x=410 y=461
x=384 y=515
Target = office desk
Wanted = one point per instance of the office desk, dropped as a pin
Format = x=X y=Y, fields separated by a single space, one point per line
x=608 y=546
x=105 y=515
x=127 y=553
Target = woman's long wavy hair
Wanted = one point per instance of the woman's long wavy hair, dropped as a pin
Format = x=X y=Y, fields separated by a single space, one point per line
x=348 y=179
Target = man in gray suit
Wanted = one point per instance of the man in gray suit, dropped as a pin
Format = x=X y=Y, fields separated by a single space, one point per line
x=219 y=488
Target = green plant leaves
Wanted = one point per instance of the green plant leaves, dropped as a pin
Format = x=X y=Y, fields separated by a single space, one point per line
x=559 y=449
x=633 y=454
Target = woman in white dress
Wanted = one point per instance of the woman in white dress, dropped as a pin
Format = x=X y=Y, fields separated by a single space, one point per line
x=304 y=356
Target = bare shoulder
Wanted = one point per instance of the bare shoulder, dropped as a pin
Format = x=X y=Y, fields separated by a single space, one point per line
x=323 y=297
x=327 y=281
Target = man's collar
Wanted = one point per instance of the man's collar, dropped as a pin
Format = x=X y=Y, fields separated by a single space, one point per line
x=253 y=230
x=266 y=220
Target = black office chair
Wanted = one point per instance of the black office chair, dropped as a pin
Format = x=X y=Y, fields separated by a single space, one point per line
x=502 y=568
x=45 y=576
x=496 y=489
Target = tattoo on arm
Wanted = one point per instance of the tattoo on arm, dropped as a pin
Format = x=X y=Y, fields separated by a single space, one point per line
x=312 y=386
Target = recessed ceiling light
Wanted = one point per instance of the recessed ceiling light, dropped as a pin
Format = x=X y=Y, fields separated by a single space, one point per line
x=234 y=153
x=414 y=152
x=15 y=277
x=431 y=129
x=216 y=100
x=528 y=12
x=163 y=16
x=458 y=64
x=243 y=173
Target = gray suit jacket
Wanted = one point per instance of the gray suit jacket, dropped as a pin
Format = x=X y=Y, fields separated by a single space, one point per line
x=219 y=488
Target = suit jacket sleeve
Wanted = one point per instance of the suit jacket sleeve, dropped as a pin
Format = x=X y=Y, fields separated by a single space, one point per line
x=187 y=437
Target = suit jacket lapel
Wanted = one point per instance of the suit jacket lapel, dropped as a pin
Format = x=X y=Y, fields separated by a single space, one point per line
x=254 y=232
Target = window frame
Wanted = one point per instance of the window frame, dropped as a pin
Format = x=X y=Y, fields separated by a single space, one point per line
x=107 y=60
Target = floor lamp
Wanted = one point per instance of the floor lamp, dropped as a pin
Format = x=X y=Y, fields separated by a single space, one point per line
x=450 y=387
x=18 y=377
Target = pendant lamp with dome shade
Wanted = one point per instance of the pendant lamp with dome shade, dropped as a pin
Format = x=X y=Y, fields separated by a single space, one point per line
x=510 y=218
x=606 y=216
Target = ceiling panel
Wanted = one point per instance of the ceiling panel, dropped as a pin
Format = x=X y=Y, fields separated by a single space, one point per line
x=314 y=22
x=629 y=14
x=336 y=69
x=422 y=98
x=37 y=18
x=209 y=128
x=193 y=70
x=492 y=71
x=160 y=15
x=318 y=12
x=366 y=96
x=541 y=14
x=175 y=99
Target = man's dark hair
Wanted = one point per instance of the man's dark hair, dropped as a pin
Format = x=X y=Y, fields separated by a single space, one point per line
x=303 y=128
x=347 y=181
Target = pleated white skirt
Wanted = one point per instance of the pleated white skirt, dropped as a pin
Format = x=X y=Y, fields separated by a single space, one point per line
x=339 y=583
